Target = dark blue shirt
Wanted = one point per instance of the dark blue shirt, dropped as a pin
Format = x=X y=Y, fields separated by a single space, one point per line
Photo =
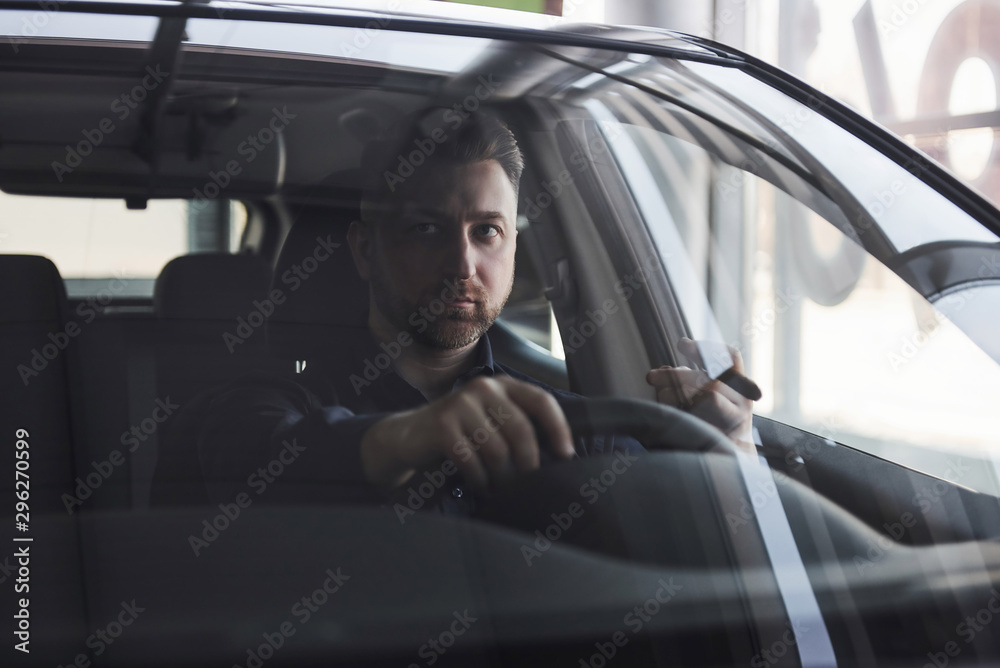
x=297 y=438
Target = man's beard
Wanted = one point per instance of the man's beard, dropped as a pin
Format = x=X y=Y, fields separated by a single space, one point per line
x=443 y=326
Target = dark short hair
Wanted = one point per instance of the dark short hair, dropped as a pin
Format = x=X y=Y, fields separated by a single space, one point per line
x=431 y=137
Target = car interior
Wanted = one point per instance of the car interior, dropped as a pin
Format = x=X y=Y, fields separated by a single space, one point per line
x=281 y=135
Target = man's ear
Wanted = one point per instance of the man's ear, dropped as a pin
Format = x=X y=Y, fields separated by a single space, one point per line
x=359 y=237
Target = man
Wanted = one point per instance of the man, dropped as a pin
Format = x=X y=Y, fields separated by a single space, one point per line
x=444 y=234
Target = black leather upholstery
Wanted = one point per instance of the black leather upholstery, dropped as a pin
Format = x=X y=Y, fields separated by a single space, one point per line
x=35 y=386
x=324 y=293
x=209 y=286
x=211 y=310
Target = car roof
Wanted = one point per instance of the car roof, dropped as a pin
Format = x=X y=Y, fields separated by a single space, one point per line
x=433 y=9
x=431 y=16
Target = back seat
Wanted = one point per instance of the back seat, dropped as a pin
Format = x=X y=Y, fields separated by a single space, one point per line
x=116 y=392
x=139 y=367
x=324 y=295
x=37 y=347
x=35 y=383
x=211 y=309
x=83 y=382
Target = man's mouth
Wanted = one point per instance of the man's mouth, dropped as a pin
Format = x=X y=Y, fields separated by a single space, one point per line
x=462 y=300
x=455 y=300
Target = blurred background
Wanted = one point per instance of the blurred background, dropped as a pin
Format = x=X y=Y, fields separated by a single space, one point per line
x=926 y=69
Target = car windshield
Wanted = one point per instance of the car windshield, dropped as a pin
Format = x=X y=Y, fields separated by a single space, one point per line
x=297 y=288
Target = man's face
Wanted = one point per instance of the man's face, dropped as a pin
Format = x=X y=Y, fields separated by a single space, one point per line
x=443 y=266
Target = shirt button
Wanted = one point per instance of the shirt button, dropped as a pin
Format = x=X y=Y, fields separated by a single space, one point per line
x=457 y=492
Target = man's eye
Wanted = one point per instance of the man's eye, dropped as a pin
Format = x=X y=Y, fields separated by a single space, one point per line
x=425 y=228
x=488 y=230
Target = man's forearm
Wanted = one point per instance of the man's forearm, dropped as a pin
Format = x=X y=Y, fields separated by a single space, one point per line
x=252 y=425
x=383 y=449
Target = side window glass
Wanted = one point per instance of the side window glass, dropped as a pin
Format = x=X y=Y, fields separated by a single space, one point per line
x=841 y=345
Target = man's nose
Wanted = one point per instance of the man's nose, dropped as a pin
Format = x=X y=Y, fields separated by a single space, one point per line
x=460 y=257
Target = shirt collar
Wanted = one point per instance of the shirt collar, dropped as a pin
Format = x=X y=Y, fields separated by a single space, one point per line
x=483 y=365
x=366 y=346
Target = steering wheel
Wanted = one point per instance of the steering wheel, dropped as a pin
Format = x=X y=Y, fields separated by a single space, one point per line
x=618 y=504
x=657 y=426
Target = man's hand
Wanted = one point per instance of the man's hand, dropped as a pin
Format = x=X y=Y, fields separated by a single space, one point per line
x=484 y=428
x=711 y=400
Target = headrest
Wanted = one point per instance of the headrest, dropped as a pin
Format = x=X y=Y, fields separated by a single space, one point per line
x=324 y=295
x=210 y=286
x=35 y=290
